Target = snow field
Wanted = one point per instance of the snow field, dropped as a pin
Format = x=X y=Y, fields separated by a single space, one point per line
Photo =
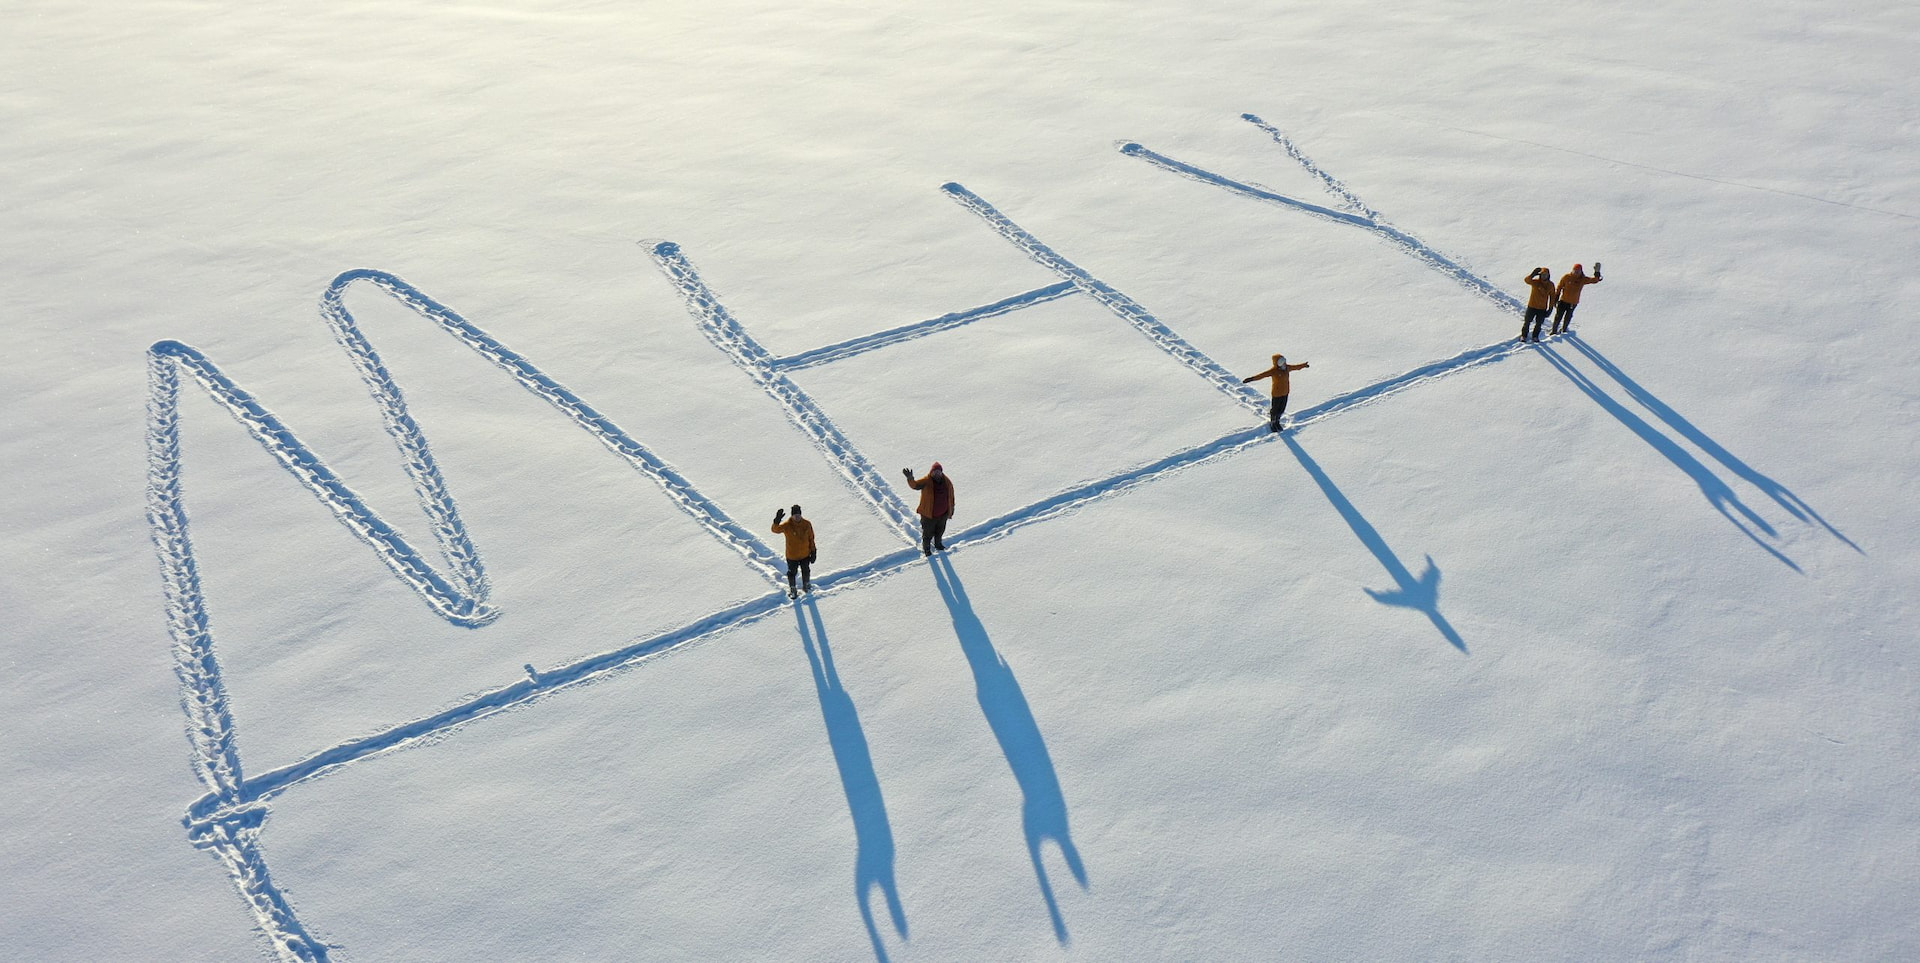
x=1681 y=725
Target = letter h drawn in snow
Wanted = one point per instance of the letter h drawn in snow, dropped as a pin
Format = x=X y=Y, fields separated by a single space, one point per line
x=770 y=372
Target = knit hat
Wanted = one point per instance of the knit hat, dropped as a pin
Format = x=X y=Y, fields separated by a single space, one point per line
x=1576 y=268
x=936 y=467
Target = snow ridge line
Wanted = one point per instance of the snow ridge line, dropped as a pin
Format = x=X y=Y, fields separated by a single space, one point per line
x=216 y=761
x=684 y=495
x=732 y=339
x=1128 y=309
x=214 y=808
x=907 y=332
x=1412 y=245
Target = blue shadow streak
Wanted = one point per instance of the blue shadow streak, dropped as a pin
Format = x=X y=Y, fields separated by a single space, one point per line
x=1043 y=810
x=873 y=832
x=1423 y=593
x=1718 y=493
x=1781 y=495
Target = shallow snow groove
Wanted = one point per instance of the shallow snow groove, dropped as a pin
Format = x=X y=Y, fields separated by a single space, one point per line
x=1367 y=220
x=920 y=329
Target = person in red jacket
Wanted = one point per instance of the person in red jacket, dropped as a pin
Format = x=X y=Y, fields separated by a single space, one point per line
x=936 y=506
x=1569 y=292
x=1539 y=302
x=800 y=549
x=1282 y=385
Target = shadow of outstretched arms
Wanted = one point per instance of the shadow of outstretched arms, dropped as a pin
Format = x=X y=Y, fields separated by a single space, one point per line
x=1421 y=594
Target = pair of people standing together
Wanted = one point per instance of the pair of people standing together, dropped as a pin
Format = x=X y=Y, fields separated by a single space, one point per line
x=1561 y=299
x=936 y=506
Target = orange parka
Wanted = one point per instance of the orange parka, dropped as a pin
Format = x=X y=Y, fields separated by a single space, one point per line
x=799 y=533
x=1281 y=373
x=936 y=495
x=1571 y=283
x=1542 y=296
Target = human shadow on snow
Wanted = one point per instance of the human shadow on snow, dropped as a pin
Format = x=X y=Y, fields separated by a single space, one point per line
x=1421 y=594
x=1043 y=810
x=1781 y=495
x=873 y=833
x=1717 y=492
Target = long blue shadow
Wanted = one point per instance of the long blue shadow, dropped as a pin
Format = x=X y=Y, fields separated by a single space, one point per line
x=1781 y=495
x=1421 y=594
x=1718 y=493
x=1043 y=811
x=873 y=833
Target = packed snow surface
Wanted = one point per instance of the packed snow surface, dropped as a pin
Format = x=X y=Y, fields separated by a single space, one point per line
x=400 y=396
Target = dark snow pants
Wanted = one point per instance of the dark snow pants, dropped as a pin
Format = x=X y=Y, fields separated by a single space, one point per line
x=1533 y=317
x=1279 y=408
x=805 y=570
x=1563 y=317
x=933 y=531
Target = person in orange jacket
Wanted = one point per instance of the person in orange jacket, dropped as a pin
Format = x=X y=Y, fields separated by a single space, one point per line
x=1539 y=302
x=936 y=506
x=1282 y=384
x=800 y=549
x=1569 y=294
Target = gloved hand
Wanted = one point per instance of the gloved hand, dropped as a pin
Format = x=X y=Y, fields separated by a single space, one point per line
x=777 y=516
x=907 y=472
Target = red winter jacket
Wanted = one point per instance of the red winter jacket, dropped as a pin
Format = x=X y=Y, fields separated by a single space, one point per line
x=936 y=495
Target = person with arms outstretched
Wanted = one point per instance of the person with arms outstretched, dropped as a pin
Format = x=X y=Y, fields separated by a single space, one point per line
x=800 y=549
x=1282 y=384
x=1539 y=302
x=1569 y=294
x=936 y=506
